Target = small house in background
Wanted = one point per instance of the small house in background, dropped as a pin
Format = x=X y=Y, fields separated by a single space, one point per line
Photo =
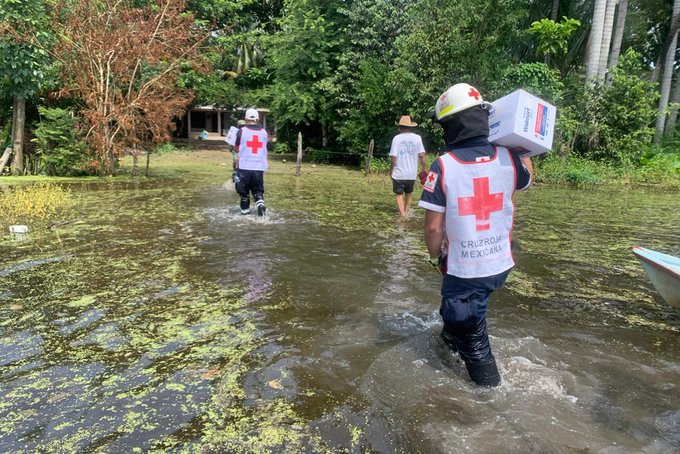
x=214 y=120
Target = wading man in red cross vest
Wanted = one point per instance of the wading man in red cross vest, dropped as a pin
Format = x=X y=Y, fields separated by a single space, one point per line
x=468 y=195
x=251 y=146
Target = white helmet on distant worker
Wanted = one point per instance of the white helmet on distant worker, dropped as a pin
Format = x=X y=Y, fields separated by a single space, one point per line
x=456 y=99
x=251 y=114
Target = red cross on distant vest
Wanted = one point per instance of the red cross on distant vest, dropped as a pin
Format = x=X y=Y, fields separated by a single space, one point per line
x=482 y=204
x=474 y=93
x=254 y=144
x=430 y=178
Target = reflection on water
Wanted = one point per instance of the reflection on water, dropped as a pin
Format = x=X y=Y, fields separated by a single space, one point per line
x=173 y=322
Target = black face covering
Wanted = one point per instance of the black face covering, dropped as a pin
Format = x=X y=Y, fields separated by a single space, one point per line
x=471 y=122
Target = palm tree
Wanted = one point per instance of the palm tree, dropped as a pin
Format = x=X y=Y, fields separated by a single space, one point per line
x=595 y=42
x=553 y=17
x=248 y=51
x=249 y=55
x=606 y=38
x=673 y=116
x=667 y=78
x=618 y=33
x=670 y=36
x=553 y=10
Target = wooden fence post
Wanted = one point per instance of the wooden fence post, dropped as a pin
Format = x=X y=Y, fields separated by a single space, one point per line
x=369 y=157
x=299 y=155
x=148 y=160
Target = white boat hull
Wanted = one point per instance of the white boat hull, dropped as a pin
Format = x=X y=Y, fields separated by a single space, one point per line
x=664 y=272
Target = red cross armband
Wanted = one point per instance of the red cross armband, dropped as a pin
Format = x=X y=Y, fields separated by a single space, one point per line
x=422 y=176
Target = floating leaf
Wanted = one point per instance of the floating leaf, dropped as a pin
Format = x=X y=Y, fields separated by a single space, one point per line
x=276 y=384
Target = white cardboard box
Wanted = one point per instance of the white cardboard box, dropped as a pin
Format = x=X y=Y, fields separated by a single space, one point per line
x=18 y=229
x=522 y=122
x=231 y=136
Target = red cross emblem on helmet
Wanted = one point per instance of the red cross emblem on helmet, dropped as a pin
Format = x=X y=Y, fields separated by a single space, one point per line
x=457 y=98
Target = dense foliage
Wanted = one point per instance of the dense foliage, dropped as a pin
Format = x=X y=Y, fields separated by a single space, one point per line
x=342 y=72
x=59 y=147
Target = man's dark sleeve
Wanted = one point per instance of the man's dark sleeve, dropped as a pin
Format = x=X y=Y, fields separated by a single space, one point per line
x=238 y=138
x=523 y=175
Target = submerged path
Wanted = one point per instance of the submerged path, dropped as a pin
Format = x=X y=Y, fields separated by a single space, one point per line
x=169 y=321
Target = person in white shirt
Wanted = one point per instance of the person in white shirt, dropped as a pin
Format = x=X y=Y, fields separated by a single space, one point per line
x=407 y=149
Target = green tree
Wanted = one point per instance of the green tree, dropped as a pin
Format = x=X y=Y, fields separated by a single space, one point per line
x=235 y=73
x=615 y=120
x=23 y=65
x=375 y=107
x=649 y=25
x=59 y=148
x=553 y=36
x=445 y=42
x=367 y=101
x=302 y=57
x=234 y=14
x=536 y=78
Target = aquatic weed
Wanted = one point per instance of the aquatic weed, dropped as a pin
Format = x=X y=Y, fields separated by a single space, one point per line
x=36 y=202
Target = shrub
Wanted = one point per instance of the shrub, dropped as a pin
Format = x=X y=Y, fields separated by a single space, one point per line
x=379 y=165
x=319 y=156
x=550 y=169
x=535 y=78
x=661 y=164
x=281 y=148
x=165 y=148
x=554 y=36
x=615 y=120
x=58 y=146
x=582 y=176
x=575 y=171
x=38 y=202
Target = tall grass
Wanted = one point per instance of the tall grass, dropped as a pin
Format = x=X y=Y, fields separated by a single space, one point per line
x=34 y=203
x=662 y=170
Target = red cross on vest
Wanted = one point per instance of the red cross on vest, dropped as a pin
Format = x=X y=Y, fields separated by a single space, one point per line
x=430 y=178
x=254 y=144
x=482 y=204
x=474 y=93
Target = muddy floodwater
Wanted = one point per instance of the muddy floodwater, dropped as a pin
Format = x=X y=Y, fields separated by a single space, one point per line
x=162 y=319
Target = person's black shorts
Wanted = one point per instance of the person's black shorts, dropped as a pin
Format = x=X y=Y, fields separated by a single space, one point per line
x=402 y=186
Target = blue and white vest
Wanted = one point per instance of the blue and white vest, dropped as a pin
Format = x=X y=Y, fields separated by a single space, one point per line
x=479 y=213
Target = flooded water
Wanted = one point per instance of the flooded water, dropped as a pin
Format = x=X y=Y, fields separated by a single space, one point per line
x=169 y=321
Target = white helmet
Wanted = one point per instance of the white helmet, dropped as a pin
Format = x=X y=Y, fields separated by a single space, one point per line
x=457 y=98
x=251 y=114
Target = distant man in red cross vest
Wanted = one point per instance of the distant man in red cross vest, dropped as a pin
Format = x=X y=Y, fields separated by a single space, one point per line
x=468 y=195
x=251 y=146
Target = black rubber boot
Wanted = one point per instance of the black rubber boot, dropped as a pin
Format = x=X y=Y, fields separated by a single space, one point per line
x=484 y=374
x=245 y=205
x=261 y=208
x=449 y=340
